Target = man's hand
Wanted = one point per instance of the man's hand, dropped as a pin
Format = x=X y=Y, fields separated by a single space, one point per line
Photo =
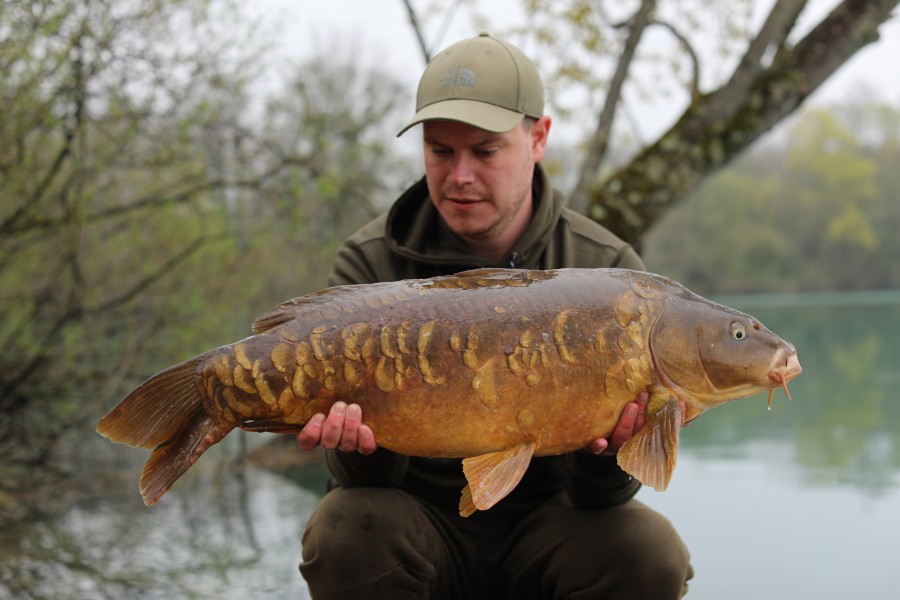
x=630 y=422
x=342 y=428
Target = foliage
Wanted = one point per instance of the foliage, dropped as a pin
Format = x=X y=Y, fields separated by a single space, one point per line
x=816 y=211
x=144 y=215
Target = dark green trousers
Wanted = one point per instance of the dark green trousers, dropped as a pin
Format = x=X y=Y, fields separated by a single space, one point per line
x=382 y=543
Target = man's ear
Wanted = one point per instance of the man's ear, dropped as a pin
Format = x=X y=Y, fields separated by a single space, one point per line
x=540 y=131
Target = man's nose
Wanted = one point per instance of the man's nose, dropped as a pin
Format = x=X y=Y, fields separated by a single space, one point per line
x=462 y=170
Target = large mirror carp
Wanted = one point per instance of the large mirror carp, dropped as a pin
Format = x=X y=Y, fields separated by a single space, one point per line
x=492 y=366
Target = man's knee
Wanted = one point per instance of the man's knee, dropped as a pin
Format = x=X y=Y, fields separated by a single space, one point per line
x=363 y=538
x=650 y=557
x=628 y=551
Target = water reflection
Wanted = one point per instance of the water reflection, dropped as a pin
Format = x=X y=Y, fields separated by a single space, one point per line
x=226 y=531
x=768 y=501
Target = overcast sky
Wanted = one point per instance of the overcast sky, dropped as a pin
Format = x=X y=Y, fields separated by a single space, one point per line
x=379 y=33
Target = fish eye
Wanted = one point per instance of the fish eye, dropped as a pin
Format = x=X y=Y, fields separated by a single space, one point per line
x=738 y=331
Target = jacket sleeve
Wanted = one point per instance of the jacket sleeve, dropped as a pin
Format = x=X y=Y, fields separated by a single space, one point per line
x=597 y=481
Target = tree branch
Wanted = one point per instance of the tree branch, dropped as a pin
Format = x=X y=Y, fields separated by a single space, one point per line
x=634 y=198
x=600 y=140
x=414 y=21
x=163 y=270
x=695 y=62
x=771 y=36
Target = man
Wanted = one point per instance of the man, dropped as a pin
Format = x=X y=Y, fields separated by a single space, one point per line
x=571 y=528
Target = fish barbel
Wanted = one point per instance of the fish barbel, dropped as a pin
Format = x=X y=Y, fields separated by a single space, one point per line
x=493 y=366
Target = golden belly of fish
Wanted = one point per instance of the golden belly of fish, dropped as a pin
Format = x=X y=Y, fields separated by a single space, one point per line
x=492 y=366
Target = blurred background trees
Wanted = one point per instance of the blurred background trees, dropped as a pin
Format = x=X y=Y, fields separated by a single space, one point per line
x=153 y=200
x=813 y=209
x=148 y=206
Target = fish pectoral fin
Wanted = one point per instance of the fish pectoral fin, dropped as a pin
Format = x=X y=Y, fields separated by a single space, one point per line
x=649 y=456
x=492 y=476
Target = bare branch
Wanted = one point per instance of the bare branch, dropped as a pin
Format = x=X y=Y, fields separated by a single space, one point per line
x=164 y=269
x=414 y=21
x=600 y=140
x=686 y=45
x=771 y=37
x=636 y=196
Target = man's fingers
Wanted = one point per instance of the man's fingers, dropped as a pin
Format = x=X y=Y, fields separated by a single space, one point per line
x=598 y=446
x=625 y=427
x=342 y=428
x=352 y=419
x=334 y=426
x=311 y=434
x=367 y=443
x=642 y=400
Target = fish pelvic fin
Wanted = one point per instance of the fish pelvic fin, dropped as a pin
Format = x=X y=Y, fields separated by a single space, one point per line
x=165 y=414
x=492 y=476
x=649 y=456
x=466 y=505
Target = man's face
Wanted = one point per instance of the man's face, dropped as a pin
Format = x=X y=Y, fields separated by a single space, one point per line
x=480 y=181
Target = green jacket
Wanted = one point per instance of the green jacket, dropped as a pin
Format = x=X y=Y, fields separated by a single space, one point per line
x=412 y=241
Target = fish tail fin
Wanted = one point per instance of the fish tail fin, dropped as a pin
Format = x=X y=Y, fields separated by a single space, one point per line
x=165 y=414
x=170 y=460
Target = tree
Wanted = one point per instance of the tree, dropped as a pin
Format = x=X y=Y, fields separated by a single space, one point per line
x=812 y=210
x=149 y=209
x=102 y=160
x=779 y=66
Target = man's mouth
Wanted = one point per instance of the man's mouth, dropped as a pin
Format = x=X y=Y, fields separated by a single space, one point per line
x=463 y=202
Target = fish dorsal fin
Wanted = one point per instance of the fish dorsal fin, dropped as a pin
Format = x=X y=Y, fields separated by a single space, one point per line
x=297 y=307
x=492 y=476
x=649 y=456
x=489 y=273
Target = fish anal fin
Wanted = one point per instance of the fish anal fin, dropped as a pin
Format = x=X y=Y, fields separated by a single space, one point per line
x=492 y=476
x=649 y=456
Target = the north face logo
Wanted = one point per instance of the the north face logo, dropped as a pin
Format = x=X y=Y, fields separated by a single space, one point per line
x=459 y=77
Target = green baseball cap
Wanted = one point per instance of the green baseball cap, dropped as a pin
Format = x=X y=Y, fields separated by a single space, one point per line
x=481 y=81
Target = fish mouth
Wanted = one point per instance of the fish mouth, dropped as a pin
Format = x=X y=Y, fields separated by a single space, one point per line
x=784 y=369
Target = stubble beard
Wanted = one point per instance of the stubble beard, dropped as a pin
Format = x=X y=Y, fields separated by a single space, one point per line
x=474 y=227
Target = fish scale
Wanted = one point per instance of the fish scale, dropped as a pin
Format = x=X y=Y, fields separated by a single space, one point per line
x=492 y=366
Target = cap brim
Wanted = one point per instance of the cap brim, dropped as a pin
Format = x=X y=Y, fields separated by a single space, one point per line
x=472 y=112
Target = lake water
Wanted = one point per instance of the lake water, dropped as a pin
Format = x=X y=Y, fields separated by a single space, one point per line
x=797 y=502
